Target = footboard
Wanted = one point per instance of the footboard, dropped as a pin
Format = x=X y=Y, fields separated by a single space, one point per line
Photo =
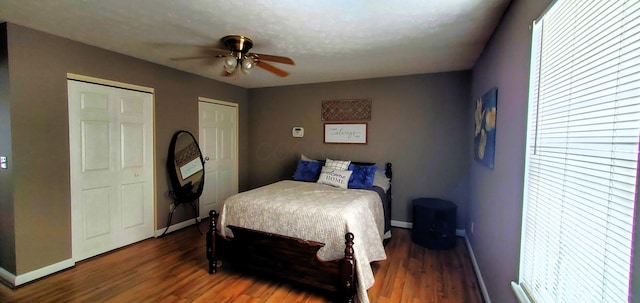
x=285 y=257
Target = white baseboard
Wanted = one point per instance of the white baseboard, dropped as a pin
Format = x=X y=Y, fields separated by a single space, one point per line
x=175 y=227
x=402 y=224
x=483 y=287
x=7 y=276
x=35 y=274
x=409 y=225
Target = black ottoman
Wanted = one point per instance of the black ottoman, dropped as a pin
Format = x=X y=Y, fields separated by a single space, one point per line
x=434 y=223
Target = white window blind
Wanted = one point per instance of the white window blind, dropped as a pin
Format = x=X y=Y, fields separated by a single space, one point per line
x=582 y=152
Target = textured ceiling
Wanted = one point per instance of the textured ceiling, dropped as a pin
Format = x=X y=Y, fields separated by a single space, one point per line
x=329 y=40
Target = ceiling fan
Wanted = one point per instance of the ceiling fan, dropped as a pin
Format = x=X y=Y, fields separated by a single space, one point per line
x=238 y=57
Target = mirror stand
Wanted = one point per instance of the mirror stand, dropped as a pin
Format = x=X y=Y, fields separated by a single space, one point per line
x=185 y=166
x=176 y=203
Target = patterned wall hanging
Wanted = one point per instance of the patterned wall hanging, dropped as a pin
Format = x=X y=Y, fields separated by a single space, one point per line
x=346 y=110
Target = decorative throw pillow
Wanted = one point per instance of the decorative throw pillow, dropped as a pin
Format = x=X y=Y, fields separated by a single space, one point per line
x=334 y=177
x=337 y=164
x=381 y=180
x=362 y=176
x=307 y=171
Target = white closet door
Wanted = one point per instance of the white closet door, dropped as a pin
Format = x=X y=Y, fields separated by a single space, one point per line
x=218 y=142
x=111 y=152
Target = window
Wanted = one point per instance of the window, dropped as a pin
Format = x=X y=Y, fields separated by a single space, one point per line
x=582 y=153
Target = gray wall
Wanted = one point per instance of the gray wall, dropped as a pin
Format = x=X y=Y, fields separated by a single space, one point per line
x=419 y=124
x=635 y=264
x=38 y=64
x=7 y=231
x=495 y=207
x=422 y=124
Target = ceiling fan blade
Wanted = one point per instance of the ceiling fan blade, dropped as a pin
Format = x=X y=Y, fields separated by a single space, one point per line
x=189 y=58
x=268 y=67
x=273 y=58
x=216 y=51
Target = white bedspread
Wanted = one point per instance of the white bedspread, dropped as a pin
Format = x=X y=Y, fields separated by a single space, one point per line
x=315 y=212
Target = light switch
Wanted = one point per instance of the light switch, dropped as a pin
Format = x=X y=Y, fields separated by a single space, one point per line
x=3 y=162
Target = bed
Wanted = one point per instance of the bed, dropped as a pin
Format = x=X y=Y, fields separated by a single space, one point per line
x=307 y=232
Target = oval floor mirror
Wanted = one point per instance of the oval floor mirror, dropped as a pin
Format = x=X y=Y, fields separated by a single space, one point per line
x=186 y=172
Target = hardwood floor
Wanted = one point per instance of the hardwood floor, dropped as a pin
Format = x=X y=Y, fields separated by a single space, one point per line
x=174 y=269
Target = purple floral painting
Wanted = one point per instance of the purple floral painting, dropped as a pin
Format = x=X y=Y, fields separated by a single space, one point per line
x=484 y=145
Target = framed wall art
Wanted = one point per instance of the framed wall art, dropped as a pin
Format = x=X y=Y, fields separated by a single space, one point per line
x=351 y=133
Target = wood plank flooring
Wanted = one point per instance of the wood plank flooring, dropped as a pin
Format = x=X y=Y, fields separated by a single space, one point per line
x=174 y=269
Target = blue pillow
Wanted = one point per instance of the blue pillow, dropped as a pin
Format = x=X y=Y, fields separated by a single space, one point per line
x=308 y=171
x=362 y=176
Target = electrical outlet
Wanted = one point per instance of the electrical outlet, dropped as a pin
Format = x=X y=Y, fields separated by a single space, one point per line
x=471 y=226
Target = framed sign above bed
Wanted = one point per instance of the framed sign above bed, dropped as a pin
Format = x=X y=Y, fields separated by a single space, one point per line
x=353 y=133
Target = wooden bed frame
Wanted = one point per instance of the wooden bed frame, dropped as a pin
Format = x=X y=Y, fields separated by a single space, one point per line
x=286 y=257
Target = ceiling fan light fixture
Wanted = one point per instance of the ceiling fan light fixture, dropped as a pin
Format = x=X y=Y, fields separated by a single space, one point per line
x=247 y=65
x=230 y=63
x=237 y=53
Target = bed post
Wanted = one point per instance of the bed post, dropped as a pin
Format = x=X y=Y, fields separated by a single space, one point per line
x=211 y=242
x=348 y=272
x=389 y=173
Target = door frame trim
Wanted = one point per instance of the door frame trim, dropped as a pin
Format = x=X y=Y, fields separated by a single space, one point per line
x=83 y=78
x=209 y=100
x=237 y=147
